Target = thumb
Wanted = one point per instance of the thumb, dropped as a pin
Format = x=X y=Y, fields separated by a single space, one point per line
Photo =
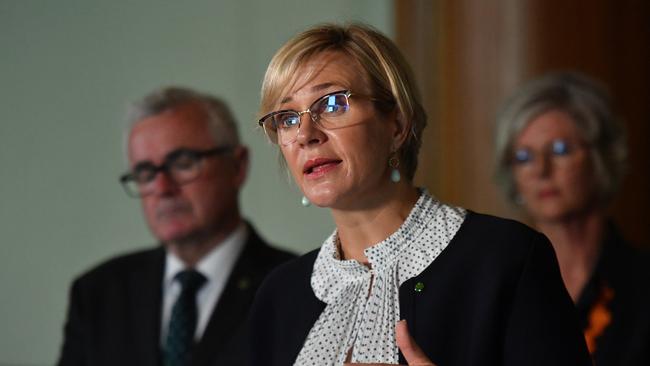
x=412 y=352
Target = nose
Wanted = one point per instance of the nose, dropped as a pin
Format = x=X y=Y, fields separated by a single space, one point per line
x=309 y=132
x=542 y=165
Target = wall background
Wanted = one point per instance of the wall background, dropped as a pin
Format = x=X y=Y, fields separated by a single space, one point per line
x=469 y=55
x=67 y=71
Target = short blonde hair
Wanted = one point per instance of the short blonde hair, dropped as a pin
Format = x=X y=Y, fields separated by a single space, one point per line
x=390 y=79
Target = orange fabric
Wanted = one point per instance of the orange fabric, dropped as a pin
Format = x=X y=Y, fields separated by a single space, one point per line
x=599 y=318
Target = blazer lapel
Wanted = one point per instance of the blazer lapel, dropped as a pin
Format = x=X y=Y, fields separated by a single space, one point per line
x=226 y=326
x=146 y=292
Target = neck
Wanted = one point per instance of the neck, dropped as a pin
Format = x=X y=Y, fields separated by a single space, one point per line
x=193 y=248
x=363 y=227
x=577 y=242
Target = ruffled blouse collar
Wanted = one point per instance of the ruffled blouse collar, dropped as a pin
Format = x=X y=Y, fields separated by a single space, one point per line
x=363 y=302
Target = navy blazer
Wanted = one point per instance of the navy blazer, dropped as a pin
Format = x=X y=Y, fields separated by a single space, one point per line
x=114 y=310
x=494 y=296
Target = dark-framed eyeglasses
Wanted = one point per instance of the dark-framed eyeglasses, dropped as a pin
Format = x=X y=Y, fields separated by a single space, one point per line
x=181 y=165
x=282 y=126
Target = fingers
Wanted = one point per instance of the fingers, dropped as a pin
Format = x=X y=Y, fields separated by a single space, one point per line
x=412 y=352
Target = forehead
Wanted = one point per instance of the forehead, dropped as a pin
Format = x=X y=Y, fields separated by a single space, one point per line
x=547 y=126
x=184 y=126
x=325 y=72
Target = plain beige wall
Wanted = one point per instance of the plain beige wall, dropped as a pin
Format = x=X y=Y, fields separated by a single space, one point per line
x=67 y=71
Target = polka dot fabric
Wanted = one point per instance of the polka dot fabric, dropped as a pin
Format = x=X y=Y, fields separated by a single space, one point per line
x=362 y=303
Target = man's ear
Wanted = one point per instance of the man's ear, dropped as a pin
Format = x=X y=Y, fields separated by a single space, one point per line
x=241 y=165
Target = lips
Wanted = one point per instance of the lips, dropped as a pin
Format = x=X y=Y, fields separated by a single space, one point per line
x=547 y=193
x=316 y=168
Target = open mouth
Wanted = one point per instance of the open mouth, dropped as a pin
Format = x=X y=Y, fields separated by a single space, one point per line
x=320 y=166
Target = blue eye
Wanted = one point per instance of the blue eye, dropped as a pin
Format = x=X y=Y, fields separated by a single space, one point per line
x=331 y=105
x=560 y=147
x=522 y=156
x=286 y=120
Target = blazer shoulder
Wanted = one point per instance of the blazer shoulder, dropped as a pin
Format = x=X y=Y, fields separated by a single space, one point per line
x=261 y=255
x=496 y=226
x=123 y=266
x=293 y=277
x=499 y=243
x=498 y=231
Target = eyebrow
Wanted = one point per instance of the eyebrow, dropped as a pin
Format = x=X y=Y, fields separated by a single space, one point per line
x=147 y=163
x=314 y=88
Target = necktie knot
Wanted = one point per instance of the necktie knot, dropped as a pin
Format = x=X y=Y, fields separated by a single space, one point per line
x=191 y=280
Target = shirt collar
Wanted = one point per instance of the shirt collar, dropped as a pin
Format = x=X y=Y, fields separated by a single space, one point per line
x=212 y=265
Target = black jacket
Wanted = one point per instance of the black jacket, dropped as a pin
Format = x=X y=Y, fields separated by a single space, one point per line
x=494 y=296
x=115 y=310
x=625 y=271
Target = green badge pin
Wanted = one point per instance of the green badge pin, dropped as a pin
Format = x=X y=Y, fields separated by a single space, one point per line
x=243 y=283
x=419 y=287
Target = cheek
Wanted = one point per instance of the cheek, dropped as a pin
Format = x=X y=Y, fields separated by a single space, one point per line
x=522 y=183
x=580 y=181
x=149 y=208
x=291 y=160
x=367 y=151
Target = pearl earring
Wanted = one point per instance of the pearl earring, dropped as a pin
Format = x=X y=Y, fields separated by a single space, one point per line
x=395 y=176
x=305 y=202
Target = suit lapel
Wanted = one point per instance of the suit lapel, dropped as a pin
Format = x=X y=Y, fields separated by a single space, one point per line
x=146 y=292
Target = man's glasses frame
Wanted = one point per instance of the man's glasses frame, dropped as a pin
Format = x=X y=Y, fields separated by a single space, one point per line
x=181 y=166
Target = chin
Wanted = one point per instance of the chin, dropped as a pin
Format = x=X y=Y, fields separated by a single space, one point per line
x=322 y=195
x=320 y=200
x=174 y=234
x=555 y=214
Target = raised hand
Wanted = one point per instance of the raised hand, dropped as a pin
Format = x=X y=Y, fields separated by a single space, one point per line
x=412 y=352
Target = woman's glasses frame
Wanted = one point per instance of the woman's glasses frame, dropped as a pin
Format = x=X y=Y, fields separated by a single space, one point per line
x=271 y=120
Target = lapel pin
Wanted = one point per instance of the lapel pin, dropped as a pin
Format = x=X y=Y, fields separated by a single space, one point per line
x=419 y=287
x=243 y=283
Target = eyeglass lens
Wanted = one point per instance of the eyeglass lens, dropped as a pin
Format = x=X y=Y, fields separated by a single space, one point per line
x=181 y=166
x=558 y=147
x=284 y=126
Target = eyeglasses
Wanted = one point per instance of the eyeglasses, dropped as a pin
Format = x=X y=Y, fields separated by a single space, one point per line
x=182 y=166
x=282 y=127
x=557 y=148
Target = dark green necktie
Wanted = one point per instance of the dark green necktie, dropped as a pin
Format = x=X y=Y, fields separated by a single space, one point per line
x=182 y=324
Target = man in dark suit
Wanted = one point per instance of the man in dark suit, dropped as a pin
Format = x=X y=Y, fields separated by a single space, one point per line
x=185 y=302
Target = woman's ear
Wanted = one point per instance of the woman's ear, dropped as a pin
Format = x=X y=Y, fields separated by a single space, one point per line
x=401 y=129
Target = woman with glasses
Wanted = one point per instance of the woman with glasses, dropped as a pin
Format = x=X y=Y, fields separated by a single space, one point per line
x=342 y=106
x=561 y=154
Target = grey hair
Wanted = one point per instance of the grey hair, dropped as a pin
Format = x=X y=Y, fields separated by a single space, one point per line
x=221 y=122
x=588 y=105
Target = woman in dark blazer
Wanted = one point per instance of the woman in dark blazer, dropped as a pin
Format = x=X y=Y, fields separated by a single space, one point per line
x=341 y=104
x=561 y=155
